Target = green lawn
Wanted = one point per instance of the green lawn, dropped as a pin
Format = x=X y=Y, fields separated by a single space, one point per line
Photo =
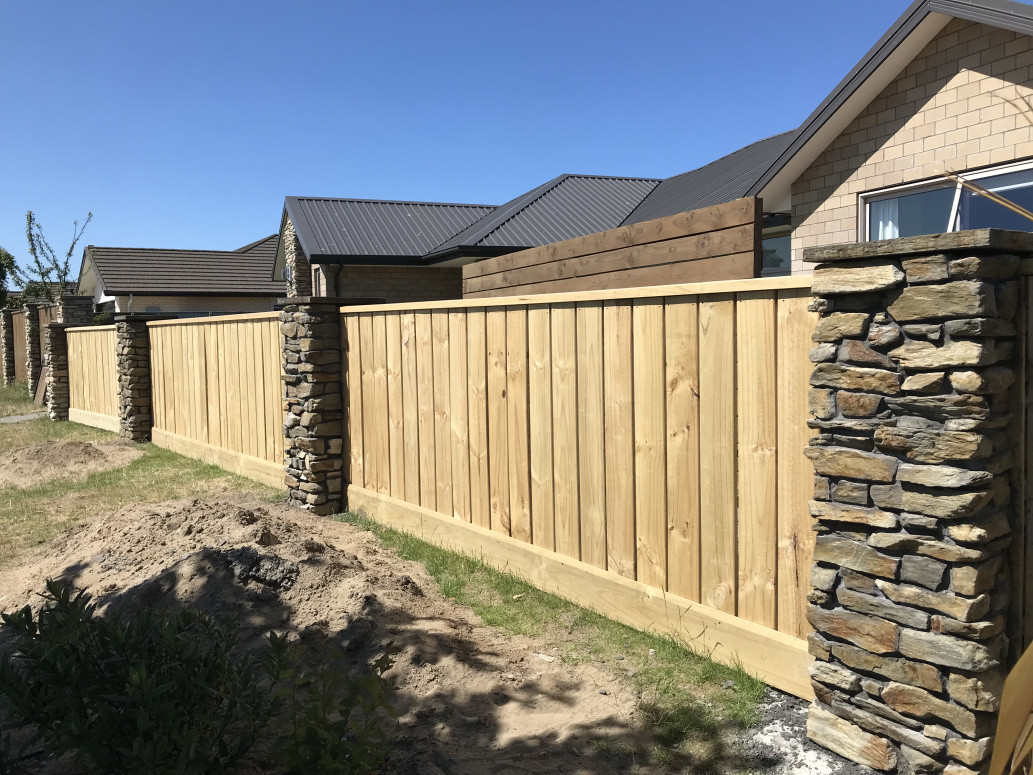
x=15 y=399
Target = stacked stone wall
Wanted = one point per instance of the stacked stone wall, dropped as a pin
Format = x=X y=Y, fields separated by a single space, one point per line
x=7 y=346
x=313 y=429
x=914 y=362
x=133 y=365
x=76 y=310
x=57 y=395
x=299 y=284
x=33 y=348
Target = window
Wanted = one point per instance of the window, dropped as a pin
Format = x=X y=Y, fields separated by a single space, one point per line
x=931 y=208
x=776 y=253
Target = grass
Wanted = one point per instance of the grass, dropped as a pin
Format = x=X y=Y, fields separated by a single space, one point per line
x=15 y=399
x=687 y=699
x=33 y=516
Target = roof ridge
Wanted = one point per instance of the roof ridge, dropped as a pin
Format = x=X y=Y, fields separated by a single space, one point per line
x=387 y=201
x=256 y=243
x=737 y=150
x=172 y=250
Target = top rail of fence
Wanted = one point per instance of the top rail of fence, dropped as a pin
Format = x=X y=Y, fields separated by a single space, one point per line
x=84 y=329
x=796 y=282
x=198 y=321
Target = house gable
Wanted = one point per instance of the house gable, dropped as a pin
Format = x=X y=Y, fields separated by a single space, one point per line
x=946 y=110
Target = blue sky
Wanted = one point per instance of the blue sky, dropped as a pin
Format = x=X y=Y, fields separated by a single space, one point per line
x=184 y=124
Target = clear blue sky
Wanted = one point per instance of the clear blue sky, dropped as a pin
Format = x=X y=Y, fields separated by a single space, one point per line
x=184 y=124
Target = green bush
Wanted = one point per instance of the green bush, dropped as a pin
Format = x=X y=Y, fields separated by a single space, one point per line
x=172 y=693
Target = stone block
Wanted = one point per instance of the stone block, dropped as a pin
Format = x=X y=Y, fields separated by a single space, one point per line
x=856 y=378
x=893 y=668
x=980 y=630
x=987 y=528
x=948 y=650
x=834 y=675
x=881 y=607
x=821 y=403
x=962 y=608
x=975 y=579
x=924 y=382
x=878 y=636
x=852 y=463
x=858 y=404
x=985 y=382
x=922 y=705
x=1000 y=267
x=940 y=407
x=853 y=493
x=860 y=354
x=884 y=726
x=970 y=752
x=981 y=692
x=959 y=299
x=930 y=356
x=924 y=445
x=849 y=740
x=884 y=335
x=945 y=504
x=924 y=571
x=840 y=325
x=847 y=553
x=859 y=582
x=925 y=269
x=942 y=476
x=829 y=511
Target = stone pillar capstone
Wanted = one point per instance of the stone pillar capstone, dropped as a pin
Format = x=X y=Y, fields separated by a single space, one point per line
x=7 y=345
x=33 y=348
x=914 y=362
x=57 y=396
x=133 y=367
x=312 y=382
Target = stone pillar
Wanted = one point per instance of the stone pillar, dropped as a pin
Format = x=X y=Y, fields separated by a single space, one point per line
x=910 y=396
x=33 y=349
x=76 y=310
x=133 y=365
x=312 y=381
x=300 y=283
x=57 y=371
x=7 y=345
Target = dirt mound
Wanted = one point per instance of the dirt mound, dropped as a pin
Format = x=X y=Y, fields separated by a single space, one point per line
x=472 y=699
x=31 y=466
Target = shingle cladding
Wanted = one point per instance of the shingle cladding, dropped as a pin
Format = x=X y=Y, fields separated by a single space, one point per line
x=566 y=207
x=723 y=180
x=162 y=272
x=329 y=228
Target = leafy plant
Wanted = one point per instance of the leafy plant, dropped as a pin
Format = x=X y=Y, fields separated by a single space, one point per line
x=172 y=693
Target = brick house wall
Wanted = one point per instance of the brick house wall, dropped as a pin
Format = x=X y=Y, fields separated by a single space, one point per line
x=394 y=283
x=945 y=110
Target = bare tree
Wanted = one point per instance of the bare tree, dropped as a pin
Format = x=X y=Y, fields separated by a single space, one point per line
x=46 y=276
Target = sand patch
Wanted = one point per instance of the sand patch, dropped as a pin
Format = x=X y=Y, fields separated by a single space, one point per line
x=32 y=466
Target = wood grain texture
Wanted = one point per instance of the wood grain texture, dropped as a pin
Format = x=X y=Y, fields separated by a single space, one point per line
x=395 y=413
x=539 y=374
x=498 y=424
x=410 y=407
x=353 y=393
x=477 y=379
x=619 y=440
x=517 y=421
x=442 y=410
x=564 y=427
x=459 y=409
x=590 y=434
x=425 y=406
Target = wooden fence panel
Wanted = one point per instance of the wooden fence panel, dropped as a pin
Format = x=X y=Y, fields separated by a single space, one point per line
x=216 y=391
x=20 y=366
x=92 y=377
x=656 y=436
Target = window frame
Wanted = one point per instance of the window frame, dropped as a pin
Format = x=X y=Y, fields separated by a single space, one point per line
x=890 y=192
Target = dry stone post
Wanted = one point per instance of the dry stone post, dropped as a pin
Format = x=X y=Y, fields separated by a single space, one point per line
x=133 y=365
x=7 y=345
x=76 y=310
x=57 y=396
x=914 y=360
x=312 y=380
x=33 y=350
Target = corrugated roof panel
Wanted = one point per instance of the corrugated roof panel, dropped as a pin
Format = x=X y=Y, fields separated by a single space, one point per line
x=723 y=180
x=359 y=227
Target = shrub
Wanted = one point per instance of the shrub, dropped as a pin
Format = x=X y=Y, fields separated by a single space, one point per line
x=172 y=693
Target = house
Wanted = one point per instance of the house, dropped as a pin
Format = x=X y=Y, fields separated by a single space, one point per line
x=182 y=283
x=414 y=251
x=943 y=90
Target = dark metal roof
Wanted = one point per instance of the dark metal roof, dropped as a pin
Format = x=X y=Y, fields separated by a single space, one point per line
x=160 y=272
x=566 y=207
x=261 y=247
x=723 y=180
x=1017 y=17
x=363 y=228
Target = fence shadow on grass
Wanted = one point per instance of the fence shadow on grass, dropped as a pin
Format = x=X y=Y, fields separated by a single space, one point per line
x=457 y=730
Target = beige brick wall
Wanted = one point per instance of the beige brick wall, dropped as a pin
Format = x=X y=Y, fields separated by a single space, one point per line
x=945 y=110
x=394 y=283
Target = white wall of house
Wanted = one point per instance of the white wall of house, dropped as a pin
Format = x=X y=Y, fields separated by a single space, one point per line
x=193 y=306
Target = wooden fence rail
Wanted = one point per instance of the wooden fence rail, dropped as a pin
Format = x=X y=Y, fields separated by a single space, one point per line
x=656 y=435
x=216 y=391
x=92 y=378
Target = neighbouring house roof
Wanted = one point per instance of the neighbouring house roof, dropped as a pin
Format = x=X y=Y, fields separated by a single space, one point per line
x=358 y=230
x=919 y=24
x=164 y=272
x=565 y=207
x=723 y=180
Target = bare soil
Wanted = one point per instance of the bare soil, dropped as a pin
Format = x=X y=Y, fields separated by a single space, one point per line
x=472 y=699
x=32 y=466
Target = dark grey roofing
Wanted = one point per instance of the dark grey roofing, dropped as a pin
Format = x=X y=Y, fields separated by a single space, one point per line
x=161 y=272
x=723 y=180
x=360 y=228
x=261 y=247
x=1005 y=14
x=566 y=207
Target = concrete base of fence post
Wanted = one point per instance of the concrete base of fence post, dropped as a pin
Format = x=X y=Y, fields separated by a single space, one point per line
x=57 y=371
x=312 y=381
x=33 y=348
x=133 y=368
x=7 y=345
x=911 y=397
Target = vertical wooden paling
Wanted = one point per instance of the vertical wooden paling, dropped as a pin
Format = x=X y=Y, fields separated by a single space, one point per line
x=425 y=389
x=498 y=437
x=650 y=436
x=681 y=356
x=519 y=454
x=395 y=419
x=564 y=429
x=619 y=439
x=410 y=408
x=215 y=396
x=442 y=406
x=380 y=417
x=795 y=473
x=477 y=381
x=459 y=410
x=718 y=572
x=369 y=428
x=350 y=352
x=539 y=376
x=591 y=455
x=758 y=461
